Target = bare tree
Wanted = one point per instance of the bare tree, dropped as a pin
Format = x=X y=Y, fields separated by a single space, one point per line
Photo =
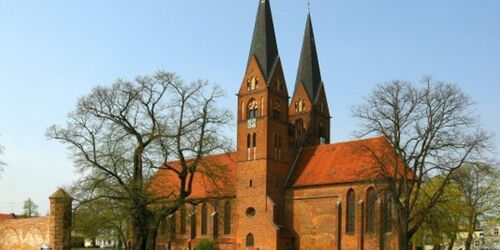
x=30 y=208
x=432 y=130
x=2 y=164
x=121 y=134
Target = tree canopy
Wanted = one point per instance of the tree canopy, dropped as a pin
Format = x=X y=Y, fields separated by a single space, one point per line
x=30 y=209
x=119 y=135
x=433 y=131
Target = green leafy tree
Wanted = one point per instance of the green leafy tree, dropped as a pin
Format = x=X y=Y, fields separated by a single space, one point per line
x=444 y=221
x=479 y=189
x=101 y=219
x=119 y=136
x=432 y=130
x=30 y=208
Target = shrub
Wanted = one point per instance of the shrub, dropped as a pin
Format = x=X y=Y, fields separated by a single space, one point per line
x=205 y=244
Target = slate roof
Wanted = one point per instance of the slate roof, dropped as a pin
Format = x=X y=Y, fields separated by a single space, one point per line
x=308 y=72
x=264 y=46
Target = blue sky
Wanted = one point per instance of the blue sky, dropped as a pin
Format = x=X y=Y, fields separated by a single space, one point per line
x=52 y=52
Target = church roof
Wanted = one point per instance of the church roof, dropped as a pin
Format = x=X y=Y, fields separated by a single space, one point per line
x=308 y=72
x=328 y=164
x=214 y=177
x=342 y=162
x=264 y=46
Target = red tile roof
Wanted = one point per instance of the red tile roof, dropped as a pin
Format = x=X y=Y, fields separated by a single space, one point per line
x=214 y=177
x=317 y=165
x=7 y=216
x=341 y=162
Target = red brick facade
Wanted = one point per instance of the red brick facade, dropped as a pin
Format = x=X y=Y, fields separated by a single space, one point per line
x=288 y=187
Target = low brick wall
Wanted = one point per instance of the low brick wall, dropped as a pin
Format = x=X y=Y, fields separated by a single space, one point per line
x=24 y=234
x=31 y=233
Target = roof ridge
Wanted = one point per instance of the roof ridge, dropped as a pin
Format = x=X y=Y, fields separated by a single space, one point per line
x=348 y=141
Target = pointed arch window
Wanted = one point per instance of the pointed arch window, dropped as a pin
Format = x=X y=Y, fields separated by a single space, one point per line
x=227 y=218
x=299 y=131
x=300 y=106
x=250 y=240
x=371 y=199
x=350 y=212
x=254 y=149
x=193 y=226
x=277 y=147
x=173 y=225
x=279 y=86
x=215 y=224
x=276 y=110
x=388 y=212
x=204 y=219
x=322 y=137
x=253 y=109
x=183 y=220
x=249 y=147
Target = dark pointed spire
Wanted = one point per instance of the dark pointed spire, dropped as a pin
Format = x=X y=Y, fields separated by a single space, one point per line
x=264 y=46
x=308 y=72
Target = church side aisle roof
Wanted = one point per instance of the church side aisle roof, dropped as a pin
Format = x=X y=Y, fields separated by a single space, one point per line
x=215 y=177
x=343 y=162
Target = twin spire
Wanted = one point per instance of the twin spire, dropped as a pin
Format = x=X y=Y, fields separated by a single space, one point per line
x=264 y=46
x=265 y=50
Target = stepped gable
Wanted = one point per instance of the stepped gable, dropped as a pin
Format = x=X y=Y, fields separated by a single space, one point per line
x=214 y=177
x=343 y=162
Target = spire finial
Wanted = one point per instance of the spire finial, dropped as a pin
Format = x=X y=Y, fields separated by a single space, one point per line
x=309 y=6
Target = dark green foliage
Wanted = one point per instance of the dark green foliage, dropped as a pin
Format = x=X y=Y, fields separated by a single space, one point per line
x=205 y=244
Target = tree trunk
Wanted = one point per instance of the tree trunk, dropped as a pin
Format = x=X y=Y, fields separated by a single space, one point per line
x=151 y=242
x=452 y=242
x=140 y=230
x=403 y=232
x=468 y=241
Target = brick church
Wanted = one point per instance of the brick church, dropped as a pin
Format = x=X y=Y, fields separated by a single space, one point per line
x=285 y=187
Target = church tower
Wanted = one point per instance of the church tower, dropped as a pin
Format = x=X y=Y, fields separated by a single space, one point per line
x=262 y=140
x=308 y=110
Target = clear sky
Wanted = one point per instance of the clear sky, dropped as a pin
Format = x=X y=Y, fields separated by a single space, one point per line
x=52 y=52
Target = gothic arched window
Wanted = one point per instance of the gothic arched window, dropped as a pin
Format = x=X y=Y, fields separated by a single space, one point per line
x=204 y=219
x=388 y=212
x=215 y=224
x=300 y=106
x=253 y=108
x=173 y=225
x=183 y=220
x=193 y=226
x=277 y=146
x=252 y=83
x=249 y=148
x=276 y=110
x=350 y=212
x=250 y=240
x=227 y=218
x=254 y=141
x=371 y=198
